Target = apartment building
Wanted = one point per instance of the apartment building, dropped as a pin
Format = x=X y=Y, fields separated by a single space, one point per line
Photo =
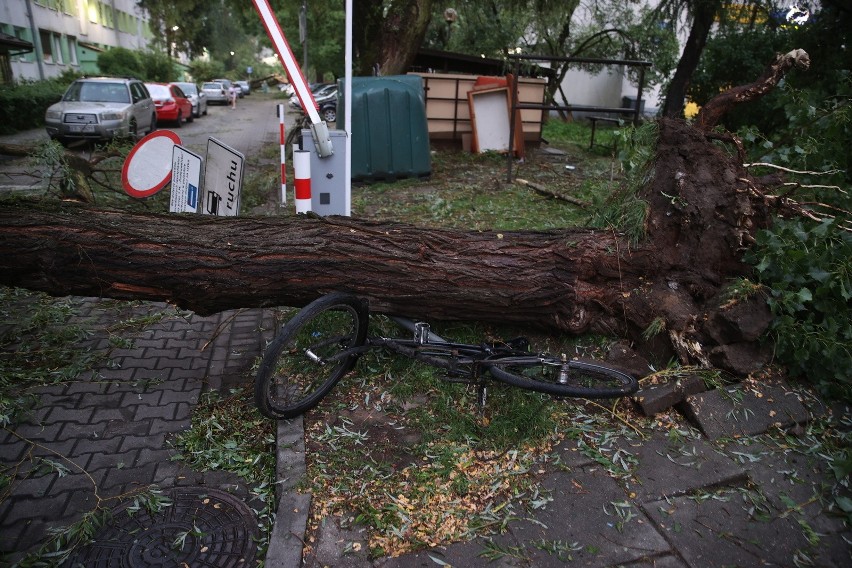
x=69 y=34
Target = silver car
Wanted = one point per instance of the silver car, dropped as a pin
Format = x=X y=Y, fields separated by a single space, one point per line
x=101 y=108
x=196 y=97
x=244 y=85
x=215 y=93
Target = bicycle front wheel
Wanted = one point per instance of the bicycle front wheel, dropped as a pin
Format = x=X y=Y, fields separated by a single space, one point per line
x=558 y=377
x=310 y=355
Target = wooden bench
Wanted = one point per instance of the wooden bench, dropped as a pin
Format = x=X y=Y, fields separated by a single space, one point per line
x=594 y=120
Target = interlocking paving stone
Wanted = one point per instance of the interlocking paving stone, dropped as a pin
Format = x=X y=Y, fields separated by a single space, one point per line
x=115 y=425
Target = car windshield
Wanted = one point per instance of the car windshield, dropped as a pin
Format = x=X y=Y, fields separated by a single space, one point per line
x=158 y=91
x=188 y=88
x=213 y=86
x=84 y=91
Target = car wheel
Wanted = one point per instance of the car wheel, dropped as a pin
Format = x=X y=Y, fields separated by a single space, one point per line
x=191 y=117
x=329 y=114
x=205 y=110
x=153 y=123
x=133 y=130
x=179 y=120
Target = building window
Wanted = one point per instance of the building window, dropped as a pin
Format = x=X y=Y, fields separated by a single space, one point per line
x=46 y=46
x=57 y=49
x=26 y=35
x=72 y=49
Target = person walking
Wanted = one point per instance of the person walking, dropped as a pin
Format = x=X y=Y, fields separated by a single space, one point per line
x=232 y=94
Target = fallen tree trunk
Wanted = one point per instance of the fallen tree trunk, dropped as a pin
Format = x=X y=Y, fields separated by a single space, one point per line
x=699 y=222
x=703 y=210
x=209 y=264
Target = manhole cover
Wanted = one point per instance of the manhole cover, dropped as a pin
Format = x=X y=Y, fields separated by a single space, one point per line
x=201 y=527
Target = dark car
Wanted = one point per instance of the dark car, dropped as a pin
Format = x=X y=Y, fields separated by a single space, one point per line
x=170 y=102
x=322 y=92
x=328 y=110
x=101 y=108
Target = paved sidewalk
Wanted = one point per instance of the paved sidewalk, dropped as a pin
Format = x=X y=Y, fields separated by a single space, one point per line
x=109 y=431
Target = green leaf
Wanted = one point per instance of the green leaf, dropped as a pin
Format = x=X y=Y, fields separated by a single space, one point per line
x=845 y=503
x=805 y=295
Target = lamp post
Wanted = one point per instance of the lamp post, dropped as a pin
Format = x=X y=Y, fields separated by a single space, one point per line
x=303 y=33
x=171 y=48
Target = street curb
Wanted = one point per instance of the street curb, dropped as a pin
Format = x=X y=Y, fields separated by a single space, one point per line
x=286 y=539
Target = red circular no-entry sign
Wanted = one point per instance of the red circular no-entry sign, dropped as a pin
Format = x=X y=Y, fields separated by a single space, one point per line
x=148 y=167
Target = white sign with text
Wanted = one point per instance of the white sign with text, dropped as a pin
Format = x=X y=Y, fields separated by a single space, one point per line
x=186 y=181
x=223 y=180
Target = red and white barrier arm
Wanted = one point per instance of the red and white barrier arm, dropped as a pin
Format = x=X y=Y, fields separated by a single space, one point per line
x=322 y=140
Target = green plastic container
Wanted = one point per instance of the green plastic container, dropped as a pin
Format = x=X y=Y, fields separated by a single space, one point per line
x=390 y=137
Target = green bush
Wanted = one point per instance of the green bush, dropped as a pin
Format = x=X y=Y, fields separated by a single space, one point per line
x=120 y=62
x=808 y=270
x=157 y=67
x=22 y=106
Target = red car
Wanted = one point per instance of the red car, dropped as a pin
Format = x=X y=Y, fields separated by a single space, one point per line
x=170 y=102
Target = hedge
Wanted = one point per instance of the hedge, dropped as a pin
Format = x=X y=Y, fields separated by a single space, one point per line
x=22 y=106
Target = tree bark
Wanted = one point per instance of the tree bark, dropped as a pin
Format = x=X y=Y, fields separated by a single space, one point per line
x=210 y=264
x=387 y=41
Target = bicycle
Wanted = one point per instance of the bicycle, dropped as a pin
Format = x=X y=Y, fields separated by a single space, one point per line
x=323 y=341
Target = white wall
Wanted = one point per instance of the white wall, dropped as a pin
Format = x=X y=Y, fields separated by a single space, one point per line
x=67 y=23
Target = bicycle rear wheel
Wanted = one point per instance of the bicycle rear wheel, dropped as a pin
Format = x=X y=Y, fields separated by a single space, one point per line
x=555 y=376
x=310 y=354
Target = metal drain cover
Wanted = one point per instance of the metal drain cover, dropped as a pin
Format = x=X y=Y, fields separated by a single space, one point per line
x=202 y=527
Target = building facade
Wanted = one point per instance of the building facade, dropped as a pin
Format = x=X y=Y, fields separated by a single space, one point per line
x=69 y=34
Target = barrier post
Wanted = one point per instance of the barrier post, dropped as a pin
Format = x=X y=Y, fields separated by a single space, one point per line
x=282 y=138
x=302 y=173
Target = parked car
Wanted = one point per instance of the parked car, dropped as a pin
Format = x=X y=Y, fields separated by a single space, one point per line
x=172 y=105
x=286 y=88
x=328 y=110
x=322 y=92
x=197 y=97
x=216 y=93
x=244 y=85
x=227 y=83
x=101 y=108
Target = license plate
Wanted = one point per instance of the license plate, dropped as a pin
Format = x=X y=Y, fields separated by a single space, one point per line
x=82 y=128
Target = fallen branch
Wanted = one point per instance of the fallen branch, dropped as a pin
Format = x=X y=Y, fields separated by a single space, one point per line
x=548 y=193
x=712 y=112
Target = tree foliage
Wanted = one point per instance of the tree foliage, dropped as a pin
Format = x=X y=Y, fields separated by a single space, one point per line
x=605 y=29
x=120 y=62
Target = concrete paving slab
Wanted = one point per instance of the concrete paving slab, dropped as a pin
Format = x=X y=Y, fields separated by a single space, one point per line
x=656 y=398
x=793 y=483
x=672 y=465
x=590 y=520
x=745 y=409
x=724 y=528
